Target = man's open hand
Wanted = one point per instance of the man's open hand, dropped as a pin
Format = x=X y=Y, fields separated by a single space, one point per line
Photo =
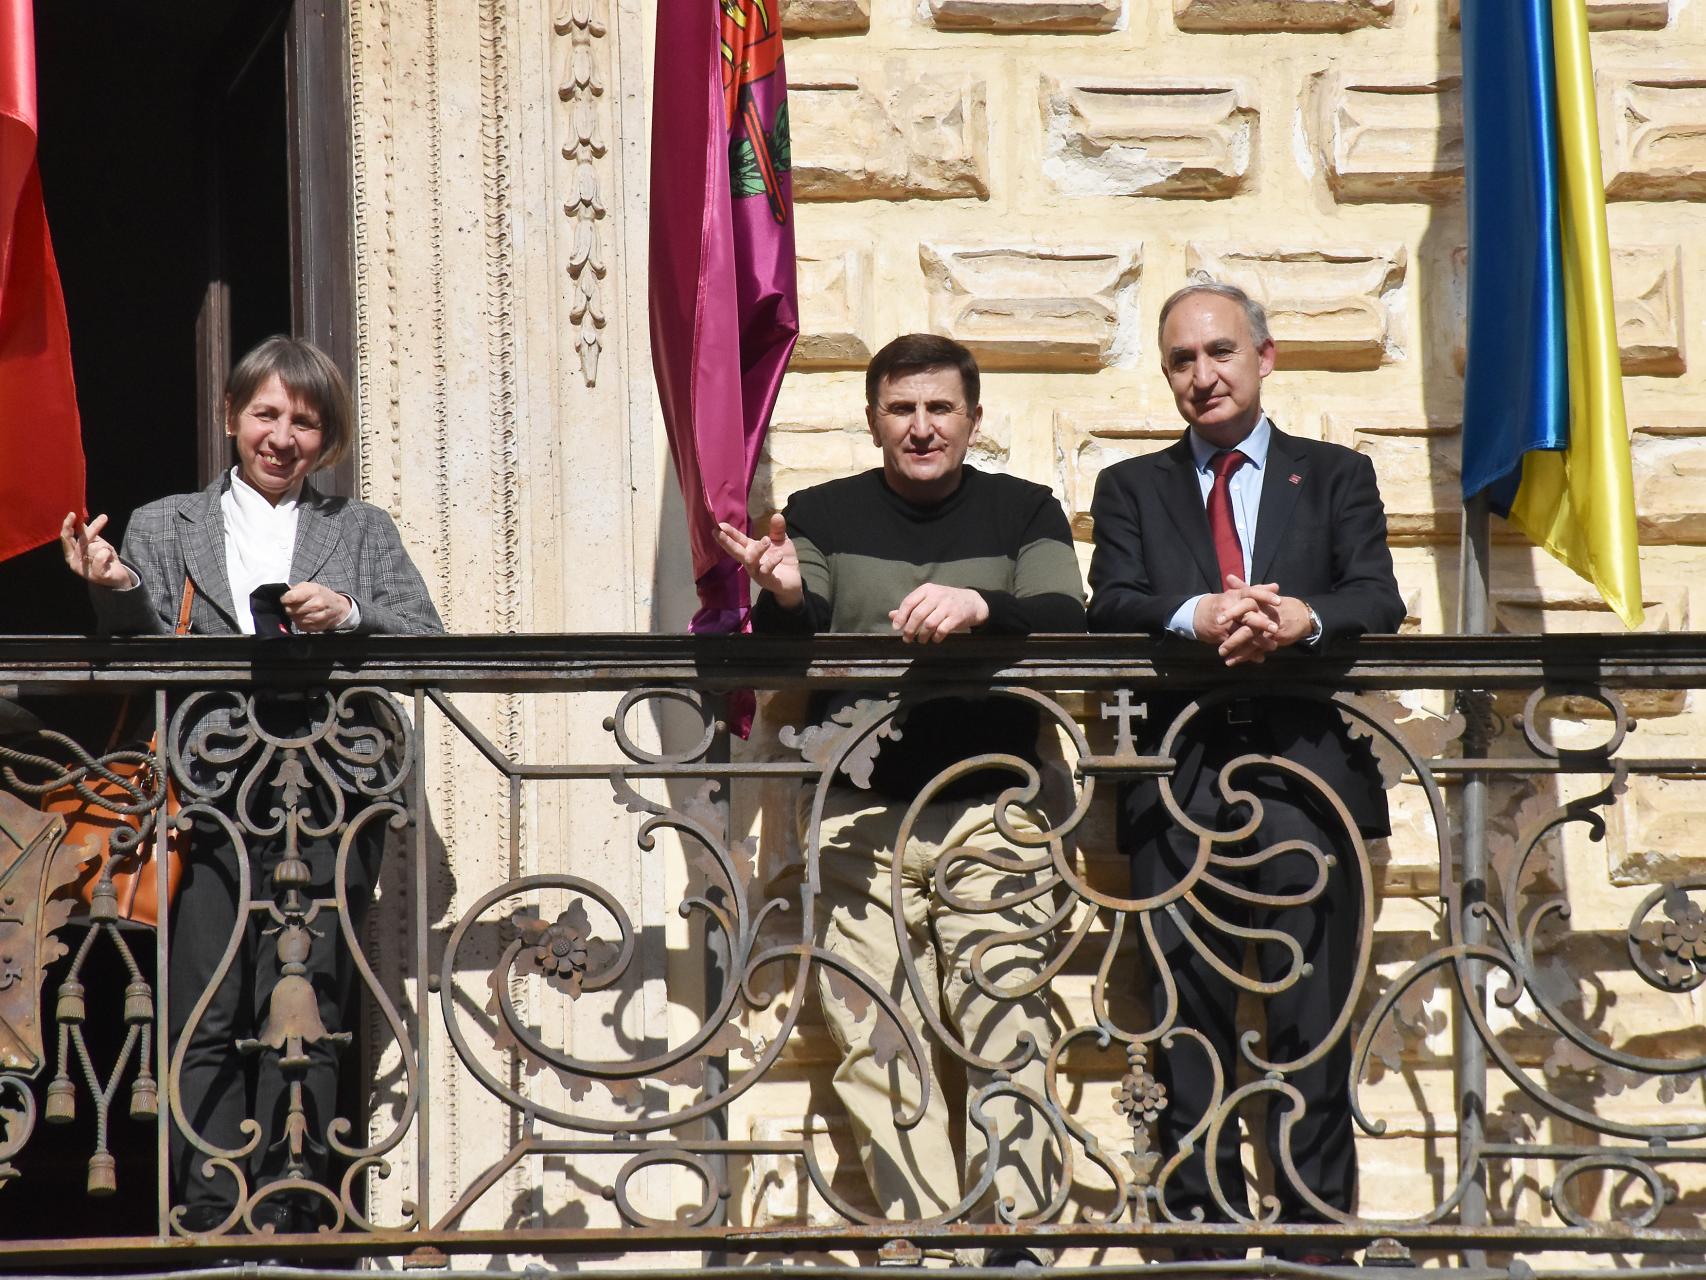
x=932 y=612
x=769 y=561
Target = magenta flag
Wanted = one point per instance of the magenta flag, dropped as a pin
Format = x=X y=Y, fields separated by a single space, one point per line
x=724 y=314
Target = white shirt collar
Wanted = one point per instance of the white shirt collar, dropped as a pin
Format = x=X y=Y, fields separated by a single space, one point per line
x=1253 y=446
x=250 y=499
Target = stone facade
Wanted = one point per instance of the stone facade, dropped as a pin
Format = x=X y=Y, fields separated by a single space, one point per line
x=1312 y=152
x=1032 y=177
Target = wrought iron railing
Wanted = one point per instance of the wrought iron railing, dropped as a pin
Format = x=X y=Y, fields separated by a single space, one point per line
x=588 y=1016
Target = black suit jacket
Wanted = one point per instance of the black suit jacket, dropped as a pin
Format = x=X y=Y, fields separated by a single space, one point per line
x=1320 y=534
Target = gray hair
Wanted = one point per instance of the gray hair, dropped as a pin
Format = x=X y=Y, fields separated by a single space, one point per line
x=1204 y=283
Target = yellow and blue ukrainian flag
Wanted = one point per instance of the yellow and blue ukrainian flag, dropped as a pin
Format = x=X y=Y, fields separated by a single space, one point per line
x=1544 y=433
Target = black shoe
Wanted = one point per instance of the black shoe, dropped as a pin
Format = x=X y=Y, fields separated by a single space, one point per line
x=1013 y=1258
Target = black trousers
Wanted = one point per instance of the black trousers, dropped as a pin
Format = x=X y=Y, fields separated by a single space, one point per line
x=219 y=1086
x=1298 y=1018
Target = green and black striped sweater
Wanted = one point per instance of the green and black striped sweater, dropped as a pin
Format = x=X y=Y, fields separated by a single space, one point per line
x=863 y=548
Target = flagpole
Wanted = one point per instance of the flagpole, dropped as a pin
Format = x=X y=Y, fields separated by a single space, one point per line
x=1473 y=594
x=1474 y=571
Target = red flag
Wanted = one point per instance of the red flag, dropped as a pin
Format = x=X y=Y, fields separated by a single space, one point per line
x=41 y=442
x=723 y=310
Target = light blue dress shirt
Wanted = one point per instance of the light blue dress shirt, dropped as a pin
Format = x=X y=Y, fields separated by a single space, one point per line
x=1245 y=488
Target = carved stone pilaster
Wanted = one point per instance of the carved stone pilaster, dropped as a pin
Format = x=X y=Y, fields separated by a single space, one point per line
x=583 y=25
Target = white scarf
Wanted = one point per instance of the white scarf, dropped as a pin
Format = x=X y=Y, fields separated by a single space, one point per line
x=260 y=540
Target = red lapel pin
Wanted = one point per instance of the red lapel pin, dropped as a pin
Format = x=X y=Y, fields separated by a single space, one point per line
x=1295 y=478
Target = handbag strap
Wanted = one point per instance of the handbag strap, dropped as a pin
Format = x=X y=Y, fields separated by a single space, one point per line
x=183 y=630
x=184 y=607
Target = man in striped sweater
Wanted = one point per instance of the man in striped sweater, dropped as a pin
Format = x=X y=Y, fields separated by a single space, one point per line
x=925 y=547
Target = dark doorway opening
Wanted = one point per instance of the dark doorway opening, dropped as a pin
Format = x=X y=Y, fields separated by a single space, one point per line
x=194 y=159
x=134 y=154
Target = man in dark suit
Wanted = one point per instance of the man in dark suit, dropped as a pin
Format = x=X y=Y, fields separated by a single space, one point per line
x=1242 y=537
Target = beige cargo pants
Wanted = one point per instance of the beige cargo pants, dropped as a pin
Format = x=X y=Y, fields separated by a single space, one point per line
x=916 y=1172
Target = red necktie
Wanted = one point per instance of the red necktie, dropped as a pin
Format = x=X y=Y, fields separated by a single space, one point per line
x=1220 y=523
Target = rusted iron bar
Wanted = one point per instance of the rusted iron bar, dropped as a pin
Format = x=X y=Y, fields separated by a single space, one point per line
x=554 y=951
x=1688 y=1246
x=619 y=661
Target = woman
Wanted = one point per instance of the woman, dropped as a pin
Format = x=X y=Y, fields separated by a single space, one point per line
x=228 y=550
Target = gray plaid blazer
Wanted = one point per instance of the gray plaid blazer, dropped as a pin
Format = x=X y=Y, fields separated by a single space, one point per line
x=347 y=545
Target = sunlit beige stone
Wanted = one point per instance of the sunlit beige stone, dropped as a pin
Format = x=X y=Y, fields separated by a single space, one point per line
x=1530 y=610
x=825 y=17
x=1388 y=136
x=1035 y=307
x=886 y=132
x=1647 y=284
x=1655 y=835
x=1281 y=15
x=1025 y=15
x=836 y=304
x=1130 y=136
x=1087 y=439
x=1668 y=454
x=1654 y=134
x=1419 y=464
x=1328 y=308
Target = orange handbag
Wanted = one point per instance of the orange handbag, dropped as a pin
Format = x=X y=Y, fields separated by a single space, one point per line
x=93 y=809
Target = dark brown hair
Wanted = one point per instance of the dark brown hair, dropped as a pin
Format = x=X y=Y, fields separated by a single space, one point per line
x=912 y=352
x=309 y=375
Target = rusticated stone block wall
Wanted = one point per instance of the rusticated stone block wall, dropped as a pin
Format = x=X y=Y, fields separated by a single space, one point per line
x=1033 y=177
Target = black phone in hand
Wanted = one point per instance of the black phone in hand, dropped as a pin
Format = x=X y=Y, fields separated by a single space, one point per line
x=266 y=606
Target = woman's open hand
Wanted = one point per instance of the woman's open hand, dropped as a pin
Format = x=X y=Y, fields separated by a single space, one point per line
x=90 y=556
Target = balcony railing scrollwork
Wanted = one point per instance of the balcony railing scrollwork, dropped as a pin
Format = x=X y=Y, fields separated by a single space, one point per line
x=539 y=970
